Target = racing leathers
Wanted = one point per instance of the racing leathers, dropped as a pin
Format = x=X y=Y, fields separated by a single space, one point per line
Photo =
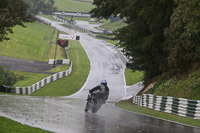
x=101 y=91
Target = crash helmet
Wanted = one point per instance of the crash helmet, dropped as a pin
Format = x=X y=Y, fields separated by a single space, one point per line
x=104 y=82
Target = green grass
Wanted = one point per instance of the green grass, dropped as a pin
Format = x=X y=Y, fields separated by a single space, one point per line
x=74 y=6
x=127 y=105
x=69 y=85
x=29 y=78
x=114 y=26
x=114 y=42
x=27 y=43
x=133 y=77
x=56 y=49
x=30 y=43
x=59 y=68
x=77 y=55
x=185 y=86
x=10 y=126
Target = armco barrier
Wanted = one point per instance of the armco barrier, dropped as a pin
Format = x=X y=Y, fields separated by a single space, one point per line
x=72 y=26
x=39 y=84
x=122 y=57
x=179 y=106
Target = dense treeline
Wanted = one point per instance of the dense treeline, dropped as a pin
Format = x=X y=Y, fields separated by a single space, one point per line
x=35 y=6
x=162 y=36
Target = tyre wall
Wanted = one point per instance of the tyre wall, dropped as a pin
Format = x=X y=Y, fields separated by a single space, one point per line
x=179 y=106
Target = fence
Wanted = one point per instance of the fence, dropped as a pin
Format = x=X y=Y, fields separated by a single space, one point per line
x=123 y=58
x=39 y=84
x=179 y=106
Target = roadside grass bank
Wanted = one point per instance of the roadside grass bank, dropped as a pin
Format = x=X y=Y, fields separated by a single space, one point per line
x=113 y=42
x=70 y=5
x=185 y=86
x=114 y=26
x=10 y=126
x=128 y=105
x=28 y=78
x=59 y=68
x=31 y=43
x=133 y=77
x=54 y=50
x=71 y=84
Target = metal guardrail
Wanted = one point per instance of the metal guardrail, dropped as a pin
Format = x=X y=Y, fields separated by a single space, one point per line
x=179 y=106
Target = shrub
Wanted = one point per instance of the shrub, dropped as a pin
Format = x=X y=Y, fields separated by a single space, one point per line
x=7 y=77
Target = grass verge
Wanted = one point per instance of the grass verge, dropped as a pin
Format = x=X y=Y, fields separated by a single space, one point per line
x=186 y=86
x=114 y=26
x=128 y=105
x=31 y=43
x=59 y=68
x=133 y=77
x=29 y=78
x=10 y=126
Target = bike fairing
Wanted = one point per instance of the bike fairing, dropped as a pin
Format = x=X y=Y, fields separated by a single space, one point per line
x=101 y=91
x=96 y=97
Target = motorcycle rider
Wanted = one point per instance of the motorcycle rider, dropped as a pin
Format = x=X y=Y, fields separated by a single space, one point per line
x=101 y=90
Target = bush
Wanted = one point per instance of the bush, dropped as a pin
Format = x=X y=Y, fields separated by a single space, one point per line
x=7 y=77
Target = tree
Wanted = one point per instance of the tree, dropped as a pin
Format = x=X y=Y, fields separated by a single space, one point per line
x=183 y=37
x=12 y=12
x=35 y=6
x=143 y=36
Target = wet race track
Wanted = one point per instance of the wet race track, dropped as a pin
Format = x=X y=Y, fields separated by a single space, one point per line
x=66 y=114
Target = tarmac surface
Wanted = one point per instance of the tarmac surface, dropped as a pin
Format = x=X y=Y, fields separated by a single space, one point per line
x=66 y=114
x=25 y=65
x=88 y=26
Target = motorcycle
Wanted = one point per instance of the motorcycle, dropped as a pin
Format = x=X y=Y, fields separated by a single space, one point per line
x=94 y=102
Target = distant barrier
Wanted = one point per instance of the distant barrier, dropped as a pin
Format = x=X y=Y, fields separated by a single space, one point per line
x=43 y=21
x=122 y=57
x=179 y=106
x=39 y=84
x=92 y=33
x=57 y=61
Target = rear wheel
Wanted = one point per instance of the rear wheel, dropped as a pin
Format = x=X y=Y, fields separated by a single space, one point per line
x=96 y=107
